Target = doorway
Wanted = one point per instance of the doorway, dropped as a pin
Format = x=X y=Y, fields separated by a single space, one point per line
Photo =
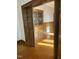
x=43 y=21
x=32 y=27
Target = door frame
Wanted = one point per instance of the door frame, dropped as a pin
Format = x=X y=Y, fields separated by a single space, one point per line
x=57 y=13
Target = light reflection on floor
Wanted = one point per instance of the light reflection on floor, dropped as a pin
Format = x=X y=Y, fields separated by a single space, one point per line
x=46 y=42
x=43 y=50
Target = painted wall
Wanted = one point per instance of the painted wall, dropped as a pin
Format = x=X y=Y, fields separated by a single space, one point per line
x=20 y=28
x=47 y=12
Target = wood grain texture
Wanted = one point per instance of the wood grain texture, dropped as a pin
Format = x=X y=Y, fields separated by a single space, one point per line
x=39 y=52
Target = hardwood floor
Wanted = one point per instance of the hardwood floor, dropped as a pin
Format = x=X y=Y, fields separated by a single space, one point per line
x=44 y=46
x=43 y=50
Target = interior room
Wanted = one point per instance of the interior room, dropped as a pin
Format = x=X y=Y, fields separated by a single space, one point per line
x=40 y=22
x=43 y=21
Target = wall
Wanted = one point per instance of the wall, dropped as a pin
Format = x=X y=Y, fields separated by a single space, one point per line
x=20 y=28
x=47 y=12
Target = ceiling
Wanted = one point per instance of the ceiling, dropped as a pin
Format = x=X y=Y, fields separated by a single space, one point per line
x=41 y=7
x=50 y=4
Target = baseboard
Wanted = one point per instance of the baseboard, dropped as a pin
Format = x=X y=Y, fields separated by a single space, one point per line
x=20 y=42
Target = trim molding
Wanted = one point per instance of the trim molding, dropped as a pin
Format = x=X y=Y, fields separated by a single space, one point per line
x=20 y=42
